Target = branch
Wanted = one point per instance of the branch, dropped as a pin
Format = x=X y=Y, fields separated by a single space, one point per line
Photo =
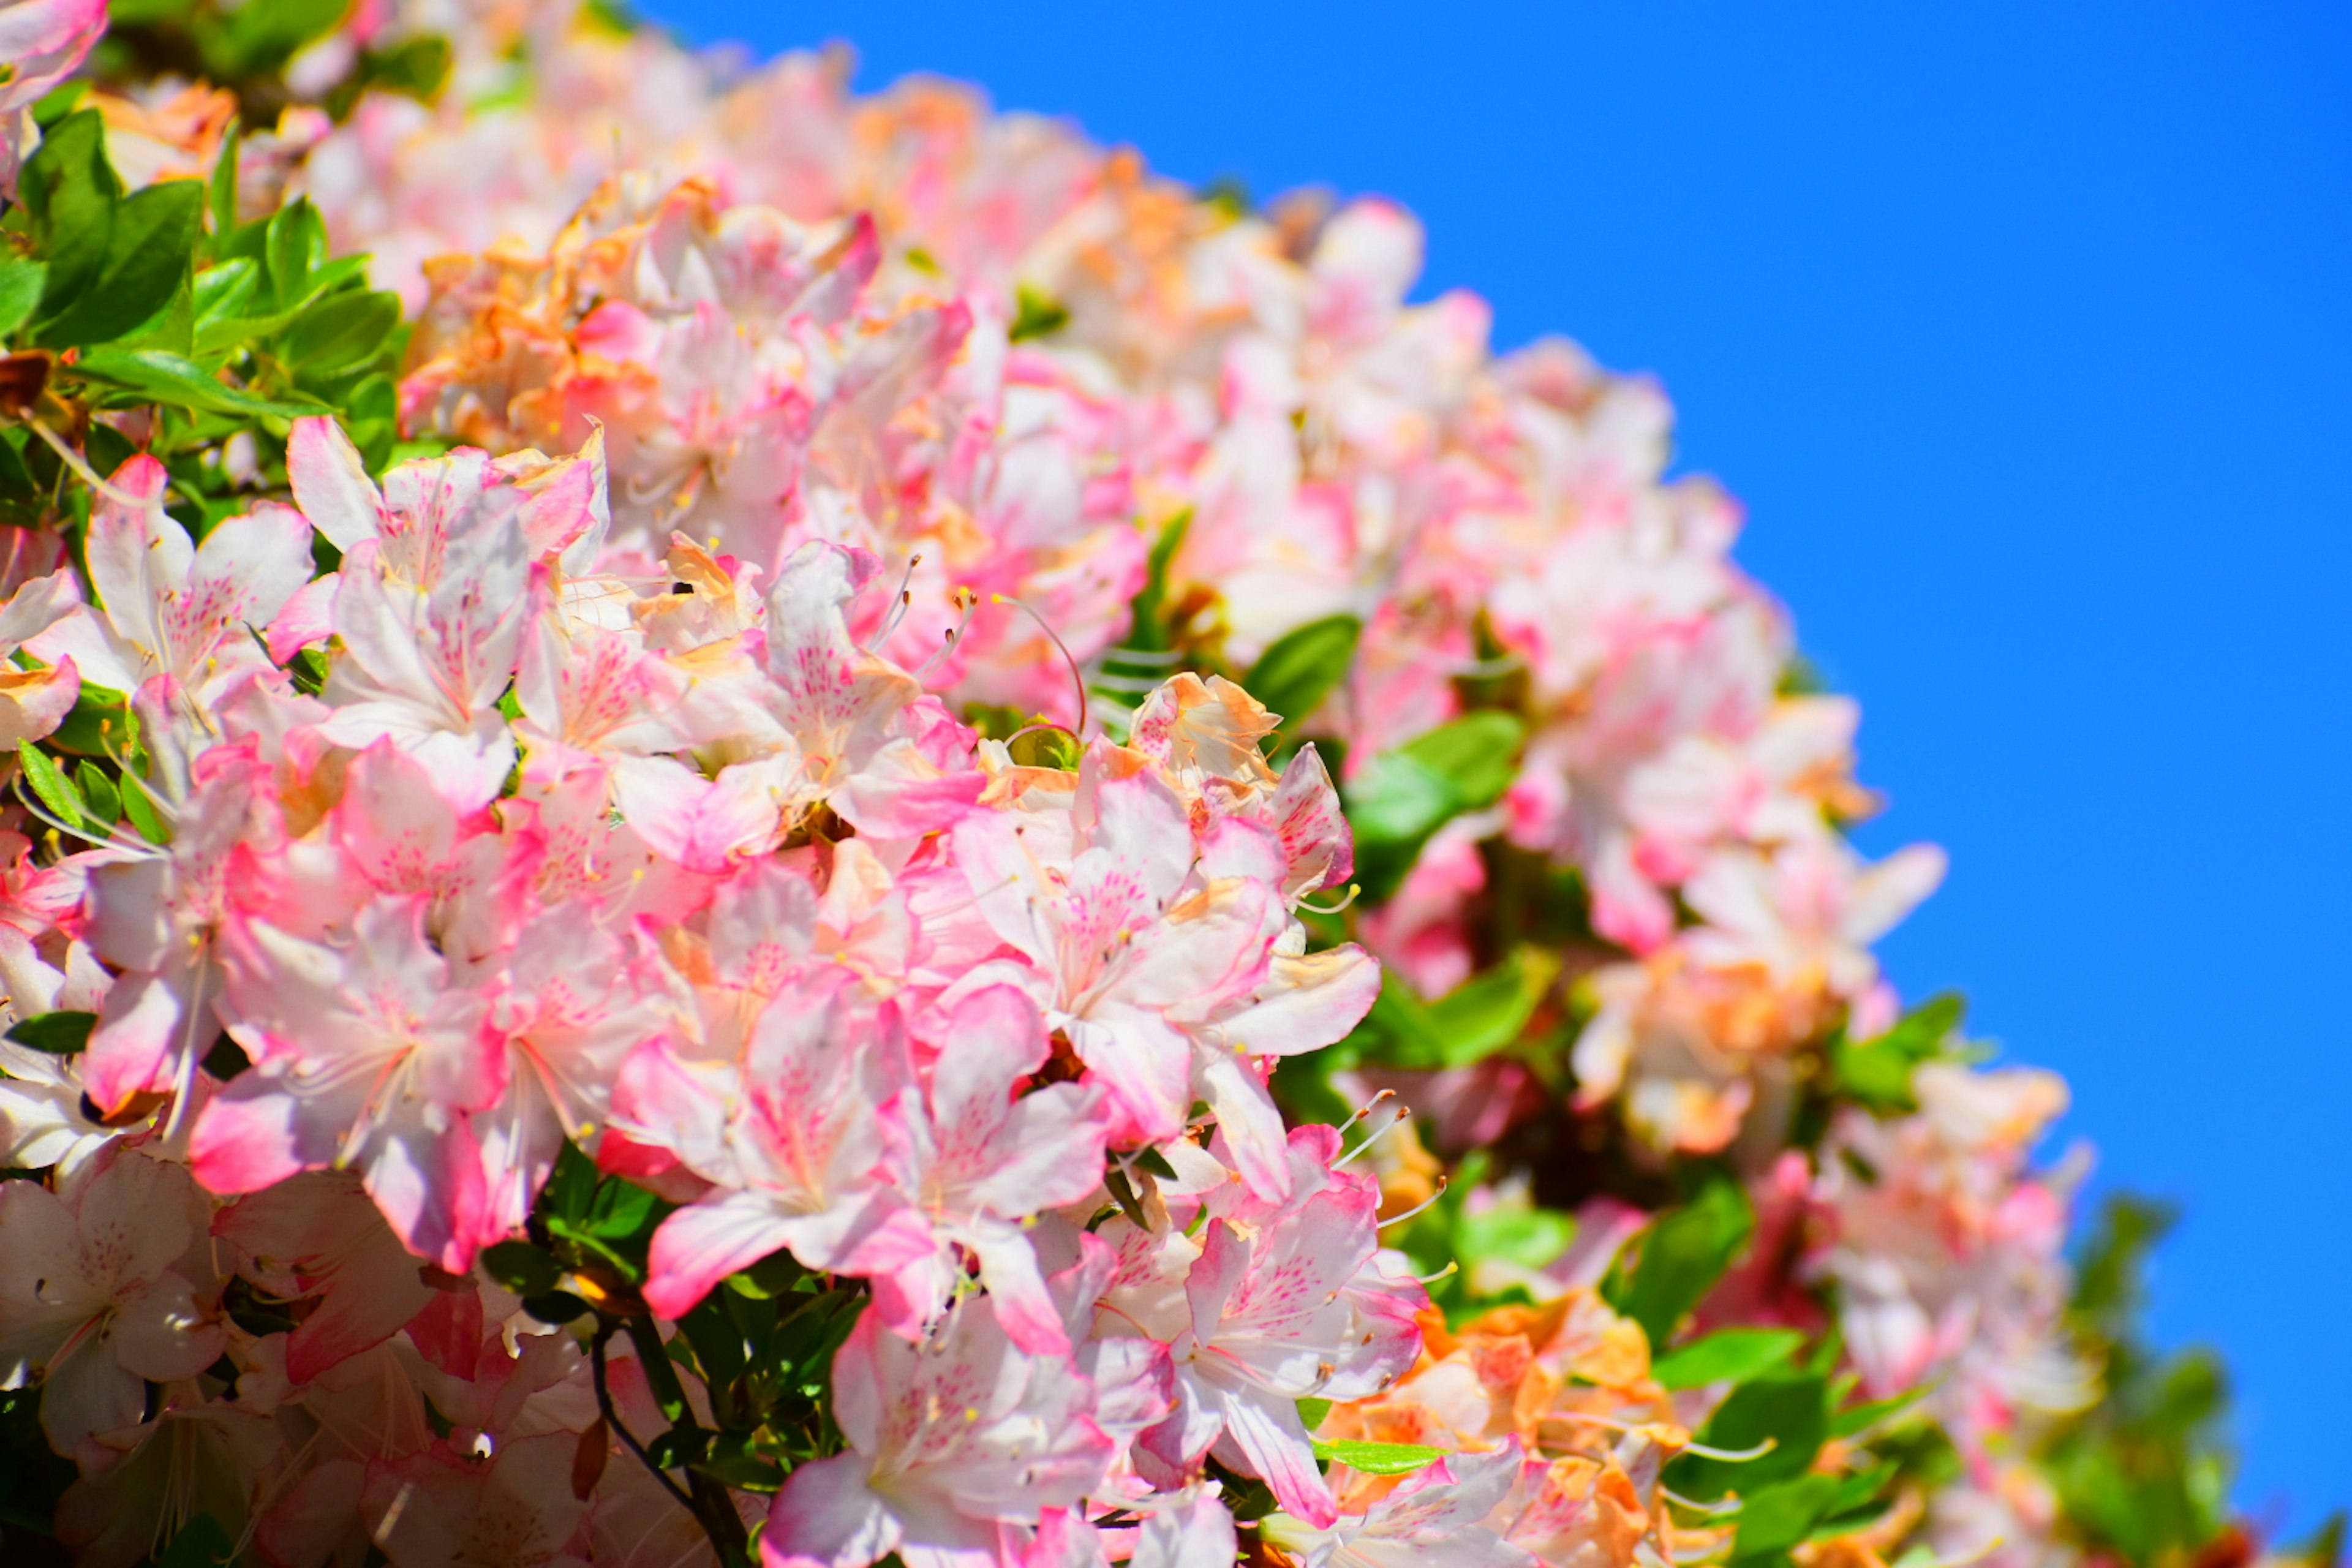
x=612 y=1419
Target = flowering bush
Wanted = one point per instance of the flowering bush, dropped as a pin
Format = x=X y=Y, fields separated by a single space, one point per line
x=754 y=859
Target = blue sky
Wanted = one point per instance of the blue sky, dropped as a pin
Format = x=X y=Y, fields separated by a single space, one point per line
x=2027 y=339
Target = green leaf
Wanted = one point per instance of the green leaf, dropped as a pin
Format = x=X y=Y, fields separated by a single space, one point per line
x=21 y=280
x=1478 y=753
x=718 y=1348
x=57 y=791
x=1380 y=1459
x=1303 y=667
x=1399 y=800
x=1680 y=1258
x=226 y=288
x=1727 y=1355
x=771 y=1276
x=1524 y=1238
x=1037 y=314
x=105 y=801
x=99 y=725
x=1859 y=1418
x=557 y=1307
x=1148 y=630
x=1048 y=746
x=1878 y=1072
x=70 y=191
x=1311 y=1412
x=200 y=1544
x=148 y=251
x=1859 y=1499
x=742 y=1467
x=419 y=68
x=297 y=245
x=1788 y=1417
x=164 y=377
x=257 y=39
x=221 y=198
x=1777 y=1518
x=1490 y=1011
x=521 y=1268
x=341 y=330
x=60 y=1034
x=1402 y=797
x=141 y=812
x=66 y=97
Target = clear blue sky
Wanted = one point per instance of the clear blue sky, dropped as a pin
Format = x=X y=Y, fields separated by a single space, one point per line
x=2027 y=338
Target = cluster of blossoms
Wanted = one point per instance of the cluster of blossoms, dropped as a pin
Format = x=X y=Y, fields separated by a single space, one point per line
x=719 y=995
x=729 y=902
x=810 y=339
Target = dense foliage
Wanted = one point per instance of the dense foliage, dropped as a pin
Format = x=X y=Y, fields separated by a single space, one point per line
x=747 y=824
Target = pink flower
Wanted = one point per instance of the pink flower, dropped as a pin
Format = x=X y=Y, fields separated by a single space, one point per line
x=34 y=702
x=366 y=1056
x=158 y=915
x=171 y=606
x=430 y=610
x=1282 y=1302
x=1173 y=968
x=44 y=42
x=90 y=1305
x=950 y=1441
x=979 y=1161
x=793 y=1149
x=1435 y=1518
x=317 y=1237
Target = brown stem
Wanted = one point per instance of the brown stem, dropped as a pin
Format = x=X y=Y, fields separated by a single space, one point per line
x=611 y=1418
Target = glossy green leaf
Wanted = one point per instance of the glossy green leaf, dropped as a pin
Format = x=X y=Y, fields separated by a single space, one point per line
x=521 y=1268
x=1478 y=753
x=1491 y=1010
x=1877 y=1071
x=71 y=193
x=226 y=288
x=1148 y=630
x=56 y=791
x=60 y=1034
x=341 y=330
x=105 y=801
x=1523 y=1236
x=66 y=97
x=556 y=1307
x=139 y=810
x=1859 y=1418
x=1402 y=797
x=1380 y=1459
x=1399 y=800
x=99 y=725
x=419 y=68
x=1304 y=667
x=21 y=280
x=220 y=197
x=169 y=378
x=1786 y=1417
x=1678 y=1259
x=1774 y=1519
x=150 y=243
x=1038 y=314
x=202 y=1542
x=258 y=38
x=1727 y=1355
x=297 y=245
x=771 y=1276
